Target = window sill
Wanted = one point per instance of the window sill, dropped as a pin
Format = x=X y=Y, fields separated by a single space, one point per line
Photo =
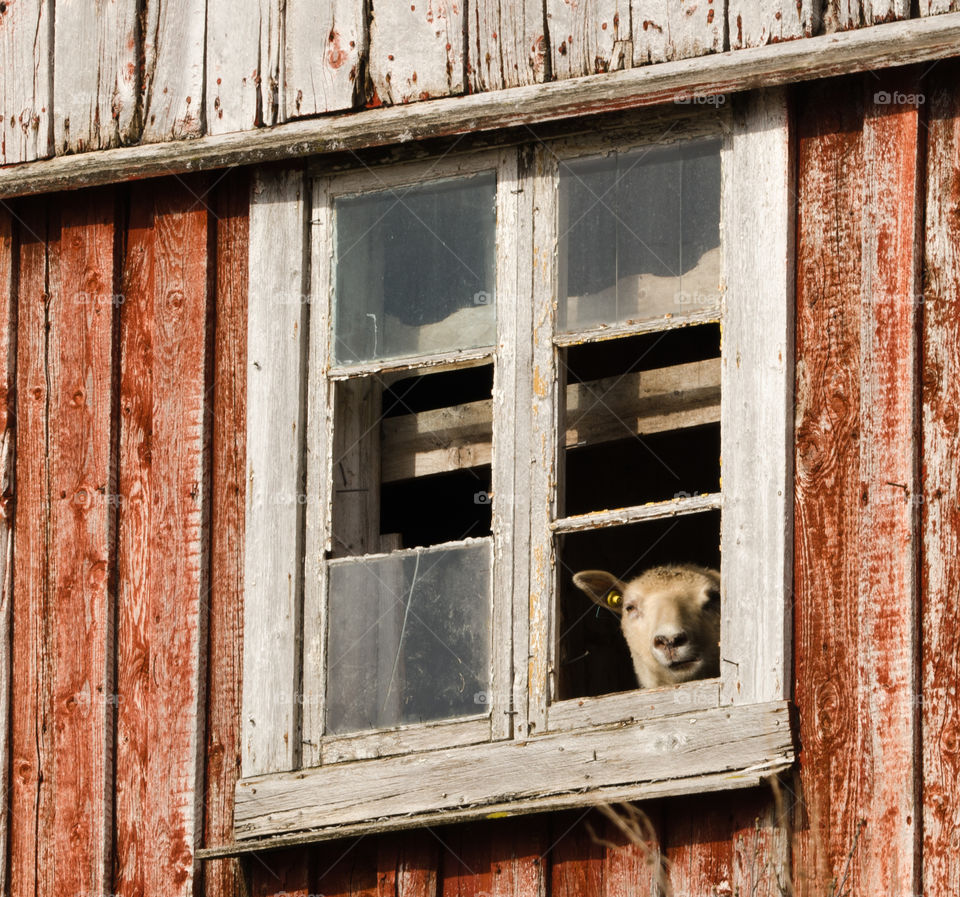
x=709 y=750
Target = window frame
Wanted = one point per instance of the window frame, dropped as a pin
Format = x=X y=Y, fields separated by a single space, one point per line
x=704 y=735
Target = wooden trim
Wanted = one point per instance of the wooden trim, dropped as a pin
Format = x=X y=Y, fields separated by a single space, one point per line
x=8 y=360
x=403 y=740
x=756 y=441
x=632 y=706
x=618 y=331
x=712 y=749
x=880 y=46
x=276 y=356
x=675 y=507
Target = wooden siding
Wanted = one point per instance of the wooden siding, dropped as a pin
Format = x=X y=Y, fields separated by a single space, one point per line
x=124 y=351
x=139 y=73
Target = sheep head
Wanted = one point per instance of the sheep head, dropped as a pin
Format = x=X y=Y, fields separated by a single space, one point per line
x=670 y=617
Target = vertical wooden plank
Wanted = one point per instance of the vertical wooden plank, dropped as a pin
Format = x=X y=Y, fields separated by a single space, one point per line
x=416 y=50
x=408 y=864
x=324 y=45
x=80 y=376
x=755 y=23
x=586 y=37
x=507 y=44
x=938 y=7
x=855 y=474
x=576 y=857
x=8 y=435
x=756 y=394
x=276 y=357
x=318 y=541
x=698 y=847
x=96 y=75
x=889 y=553
x=843 y=15
x=173 y=69
x=667 y=29
x=26 y=81
x=941 y=485
x=225 y=642
x=543 y=428
x=162 y=573
x=31 y=852
x=233 y=66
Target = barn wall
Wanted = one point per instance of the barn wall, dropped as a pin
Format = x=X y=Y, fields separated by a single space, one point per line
x=76 y=77
x=127 y=312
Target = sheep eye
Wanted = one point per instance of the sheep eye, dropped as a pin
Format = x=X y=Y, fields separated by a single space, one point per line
x=630 y=608
x=614 y=599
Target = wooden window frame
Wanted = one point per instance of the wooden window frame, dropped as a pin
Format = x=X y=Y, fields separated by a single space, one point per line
x=534 y=755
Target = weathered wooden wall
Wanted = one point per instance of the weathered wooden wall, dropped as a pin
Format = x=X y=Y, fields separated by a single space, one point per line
x=123 y=345
x=81 y=76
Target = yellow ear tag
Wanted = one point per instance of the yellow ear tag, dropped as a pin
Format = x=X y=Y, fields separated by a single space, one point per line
x=614 y=599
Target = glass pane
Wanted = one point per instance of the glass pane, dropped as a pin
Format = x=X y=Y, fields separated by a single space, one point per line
x=409 y=637
x=415 y=270
x=639 y=235
x=641 y=419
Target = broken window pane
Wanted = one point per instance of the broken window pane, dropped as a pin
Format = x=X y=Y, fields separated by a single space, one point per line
x=641 y=419
x=639 y=235
x=415 y=270
x=408 y=637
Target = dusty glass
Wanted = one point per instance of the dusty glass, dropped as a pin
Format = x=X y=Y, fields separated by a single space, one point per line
x=639 y=235
x=415 y=270
x=408 y=637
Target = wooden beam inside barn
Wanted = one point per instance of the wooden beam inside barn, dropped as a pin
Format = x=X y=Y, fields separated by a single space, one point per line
x=445 y=439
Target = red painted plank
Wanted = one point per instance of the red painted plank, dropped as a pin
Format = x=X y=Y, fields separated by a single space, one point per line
x=8 y=368
x=225 y=635
x=407 y=864
x=576 y=859
x=854 y=628
x=31 y=853
x=80 y=376
x=698 y=845
x=941 y=486
x=162 y=580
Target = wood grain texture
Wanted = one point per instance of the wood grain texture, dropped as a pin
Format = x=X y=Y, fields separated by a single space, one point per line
x=324 y=47
x=855 y=463
x=26 y=81
x=757 y=400
x=507 y=44
x=31 y=796
x=697 y=845
x=941 y=485
x=506 y=858
x=8 y=435
x=81 y=515
x=753 y=23
x=227 y=485
x=664 y=30
x=276 y=357
x=173 y=69
x=842 y=15
x=720 y=748
x=96 y=75
x=894 y=44
x=162 y=571
x=233 y=71
x=416 y=50
x=583 y=36
x=938 y=7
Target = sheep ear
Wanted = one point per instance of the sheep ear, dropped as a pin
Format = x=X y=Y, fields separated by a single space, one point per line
x=602 y=587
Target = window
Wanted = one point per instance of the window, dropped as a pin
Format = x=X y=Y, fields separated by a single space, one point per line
x=484 y=373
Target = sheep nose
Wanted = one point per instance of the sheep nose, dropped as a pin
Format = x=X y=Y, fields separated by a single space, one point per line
x=667 y=642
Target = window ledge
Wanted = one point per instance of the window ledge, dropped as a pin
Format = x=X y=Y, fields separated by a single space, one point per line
x=716 y=749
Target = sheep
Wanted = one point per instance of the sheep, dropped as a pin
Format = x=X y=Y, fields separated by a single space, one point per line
x=670 y=617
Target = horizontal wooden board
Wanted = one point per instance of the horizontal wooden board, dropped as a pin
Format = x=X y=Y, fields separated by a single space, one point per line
x=718 y=748
x=642 y=402
x=895 y=44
